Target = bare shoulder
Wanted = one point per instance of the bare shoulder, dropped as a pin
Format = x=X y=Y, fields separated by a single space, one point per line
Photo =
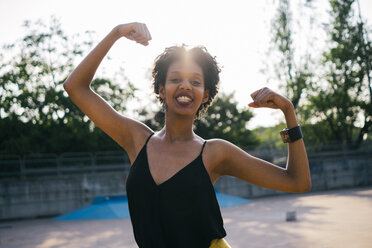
x=215 y=154
x=220 y=147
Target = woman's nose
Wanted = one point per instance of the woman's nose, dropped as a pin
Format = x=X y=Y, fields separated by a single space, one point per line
x=185 y=85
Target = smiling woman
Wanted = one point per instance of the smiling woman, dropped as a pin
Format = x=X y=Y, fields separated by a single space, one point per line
x=171 y=199
x=174 y=64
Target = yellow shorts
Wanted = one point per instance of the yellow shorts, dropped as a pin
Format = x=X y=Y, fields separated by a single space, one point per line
x=219 y=243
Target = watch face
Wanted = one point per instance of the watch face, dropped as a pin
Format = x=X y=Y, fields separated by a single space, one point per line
x=285 y=136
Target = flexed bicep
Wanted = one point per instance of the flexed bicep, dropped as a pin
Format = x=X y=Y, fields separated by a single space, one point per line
x=242 y=165
x=128 y=133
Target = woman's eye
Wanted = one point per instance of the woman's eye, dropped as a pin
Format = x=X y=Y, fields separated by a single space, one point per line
x=195 y=82
x=175 y=80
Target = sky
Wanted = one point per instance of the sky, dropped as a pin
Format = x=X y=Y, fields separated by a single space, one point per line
x=236 y=32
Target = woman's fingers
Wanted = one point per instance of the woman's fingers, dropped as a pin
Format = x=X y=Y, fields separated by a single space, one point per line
x=142 y=36
x=254 y=94
x=137 y=32
x=148 y=33
x=131 y=35
x=259 y=95
x=263 y=97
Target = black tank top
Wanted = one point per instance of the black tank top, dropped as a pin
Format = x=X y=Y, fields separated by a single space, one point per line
x=181 y=212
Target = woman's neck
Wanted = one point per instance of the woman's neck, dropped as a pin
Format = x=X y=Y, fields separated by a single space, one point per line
x=177 y=128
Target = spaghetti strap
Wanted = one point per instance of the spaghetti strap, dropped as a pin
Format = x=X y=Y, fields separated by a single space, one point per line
x=148 y=138
x=205 y=142
x=142 y=149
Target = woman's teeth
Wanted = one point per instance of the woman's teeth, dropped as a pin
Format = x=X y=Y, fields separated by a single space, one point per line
x=184 y=99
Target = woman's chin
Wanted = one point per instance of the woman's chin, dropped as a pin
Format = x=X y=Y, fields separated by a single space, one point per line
x=182 y=112
x=182 y=108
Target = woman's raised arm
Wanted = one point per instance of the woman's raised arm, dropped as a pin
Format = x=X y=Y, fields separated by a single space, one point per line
x=126 y=132
x=236 y=162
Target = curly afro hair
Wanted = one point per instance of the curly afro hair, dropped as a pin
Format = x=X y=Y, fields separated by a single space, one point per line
x=199 y=55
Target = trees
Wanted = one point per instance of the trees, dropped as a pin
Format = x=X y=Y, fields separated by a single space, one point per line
x=39 y=117
x=31 y=77
x=34 y=105
x=225 y=120
x=337 y=108
x=341 y=100
x=293 y=74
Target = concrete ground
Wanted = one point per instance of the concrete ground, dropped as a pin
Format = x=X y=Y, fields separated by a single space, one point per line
x=341 y=218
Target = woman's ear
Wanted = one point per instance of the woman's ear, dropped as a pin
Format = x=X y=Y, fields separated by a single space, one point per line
x=206 y=96
x=162 y=91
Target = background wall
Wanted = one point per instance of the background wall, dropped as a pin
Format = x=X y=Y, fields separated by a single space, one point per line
x=55 y=185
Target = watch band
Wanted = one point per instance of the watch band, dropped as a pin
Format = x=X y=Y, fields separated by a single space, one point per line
x=291 y=134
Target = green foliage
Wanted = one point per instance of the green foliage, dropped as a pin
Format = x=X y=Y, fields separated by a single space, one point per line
x=226 y=121
x=28 y=138
x=313 y=136
x=35 y=111
x=294 y=76
x=269 y=137
x=341 y=99
x=337 y=108
x=31 y=77
x=154 y=120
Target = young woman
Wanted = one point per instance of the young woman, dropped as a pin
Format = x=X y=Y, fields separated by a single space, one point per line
x=170 y=192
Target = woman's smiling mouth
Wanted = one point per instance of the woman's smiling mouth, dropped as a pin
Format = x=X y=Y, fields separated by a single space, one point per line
x=184 y=99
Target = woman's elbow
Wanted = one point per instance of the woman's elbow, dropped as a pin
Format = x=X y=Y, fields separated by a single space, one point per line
x=303 y=187
x=66 y=86
x=71 y=87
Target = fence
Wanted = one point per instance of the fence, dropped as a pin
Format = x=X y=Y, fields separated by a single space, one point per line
x=329 y=170
x=14 y=166
x=18 y=167
x=48 y=184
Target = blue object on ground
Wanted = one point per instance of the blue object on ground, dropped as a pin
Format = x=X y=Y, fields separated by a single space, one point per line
x=225 y=200
x=116 y=207
x=102 y=207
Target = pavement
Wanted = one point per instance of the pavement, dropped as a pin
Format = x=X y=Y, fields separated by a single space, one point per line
x=332 y=219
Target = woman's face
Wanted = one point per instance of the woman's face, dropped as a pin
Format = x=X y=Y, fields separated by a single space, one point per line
x=184 y=88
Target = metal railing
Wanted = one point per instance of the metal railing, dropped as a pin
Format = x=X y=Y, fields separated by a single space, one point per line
x=13 y=166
